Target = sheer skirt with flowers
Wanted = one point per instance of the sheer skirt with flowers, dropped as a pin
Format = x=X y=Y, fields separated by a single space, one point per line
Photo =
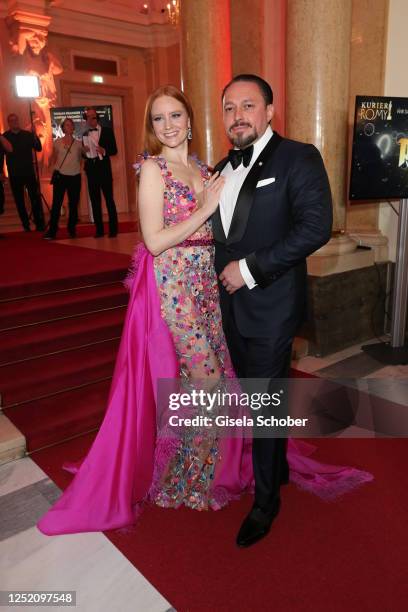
x=188 y=291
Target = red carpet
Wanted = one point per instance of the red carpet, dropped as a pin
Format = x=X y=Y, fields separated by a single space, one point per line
x=88 y=229
x=61 y=315
x=71 y=413
x=348 y=555
x=35 y=265
x=52 y=373
x=62 y=304
x=85 y=230
x=48 y=337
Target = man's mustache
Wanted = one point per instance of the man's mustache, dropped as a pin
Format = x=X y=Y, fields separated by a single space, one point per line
x=239 y=124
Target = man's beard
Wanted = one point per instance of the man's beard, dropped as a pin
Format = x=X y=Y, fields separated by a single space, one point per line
x=240 y=141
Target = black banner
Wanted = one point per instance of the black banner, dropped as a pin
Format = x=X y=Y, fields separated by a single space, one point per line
x=379 y=166
x=76 y=113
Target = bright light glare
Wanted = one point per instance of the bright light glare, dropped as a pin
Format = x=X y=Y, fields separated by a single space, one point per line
x=27 y=86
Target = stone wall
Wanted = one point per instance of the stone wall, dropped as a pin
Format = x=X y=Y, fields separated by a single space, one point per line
x=345 y=309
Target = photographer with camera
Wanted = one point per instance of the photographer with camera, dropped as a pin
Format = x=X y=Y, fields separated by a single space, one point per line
x=67 y=155
x=5 y=147
x=21 y=171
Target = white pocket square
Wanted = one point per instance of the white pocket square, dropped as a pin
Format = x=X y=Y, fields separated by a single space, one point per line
x=264 y=182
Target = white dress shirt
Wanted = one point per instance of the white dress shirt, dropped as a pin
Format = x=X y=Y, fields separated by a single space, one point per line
x=92 y=141
x=230 y=192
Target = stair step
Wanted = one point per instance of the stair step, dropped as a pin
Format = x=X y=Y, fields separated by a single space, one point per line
x=43 y=376
x=10 y=213
x=61 y=416
x=76 y=281
x=8 y=228
x=9 y=220
x=51 y=337
x=57 y=305
x=12 y=441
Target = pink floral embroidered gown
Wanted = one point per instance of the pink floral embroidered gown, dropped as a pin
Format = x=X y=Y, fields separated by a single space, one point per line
x=172 y=328
x=189 y=304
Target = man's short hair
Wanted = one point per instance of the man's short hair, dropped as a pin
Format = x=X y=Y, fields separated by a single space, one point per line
x=265 y=88
x=11 y=115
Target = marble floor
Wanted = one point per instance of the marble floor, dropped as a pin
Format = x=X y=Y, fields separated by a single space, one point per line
x=104 y=580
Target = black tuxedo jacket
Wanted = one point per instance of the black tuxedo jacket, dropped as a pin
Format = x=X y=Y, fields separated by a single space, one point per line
x=108 y=142
x=275 y=227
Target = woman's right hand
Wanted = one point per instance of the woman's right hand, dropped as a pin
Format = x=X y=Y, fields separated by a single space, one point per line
x=211 y=193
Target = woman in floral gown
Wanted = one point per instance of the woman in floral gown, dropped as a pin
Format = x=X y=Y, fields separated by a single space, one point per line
x=172 y=330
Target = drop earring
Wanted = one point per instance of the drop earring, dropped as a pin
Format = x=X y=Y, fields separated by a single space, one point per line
x=189 y=133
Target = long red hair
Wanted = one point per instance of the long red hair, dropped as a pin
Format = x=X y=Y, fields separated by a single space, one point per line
x=151 y=144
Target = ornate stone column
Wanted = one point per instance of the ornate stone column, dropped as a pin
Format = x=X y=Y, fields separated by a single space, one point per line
x=206 y=68
x=367 y=68
x=258 y=46
x=317 y=99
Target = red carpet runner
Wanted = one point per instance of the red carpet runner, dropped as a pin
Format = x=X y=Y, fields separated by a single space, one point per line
x=319 y=557
x=57 y=355
x=61 y=315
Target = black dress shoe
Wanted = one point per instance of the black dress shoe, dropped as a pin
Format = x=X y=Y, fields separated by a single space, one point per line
x=113 y=234
x=49 y=236
x=257 y=524
x=99 y=235
x=72 y=234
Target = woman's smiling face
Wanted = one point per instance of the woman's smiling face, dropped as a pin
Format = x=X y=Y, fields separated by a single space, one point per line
x=170 y=121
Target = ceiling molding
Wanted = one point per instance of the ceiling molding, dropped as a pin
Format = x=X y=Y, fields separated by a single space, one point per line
x=128 y=33
x=101 y=20
x=121 y=10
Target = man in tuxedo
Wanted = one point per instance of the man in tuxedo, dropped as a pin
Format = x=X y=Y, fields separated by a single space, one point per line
x=20 y=166
x=275 y=210
x=100 y=144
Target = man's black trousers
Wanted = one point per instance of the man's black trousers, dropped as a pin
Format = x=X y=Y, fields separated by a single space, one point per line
x=265 y=358
x=100 y=181
x=17 y=184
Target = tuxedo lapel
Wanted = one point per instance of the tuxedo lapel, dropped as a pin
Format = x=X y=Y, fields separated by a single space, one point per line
x=102 y=137
x=216 y=223
x=246 y=195
x=217 y=229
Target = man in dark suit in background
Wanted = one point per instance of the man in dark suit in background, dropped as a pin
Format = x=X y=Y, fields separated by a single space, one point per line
x=5 y=147
x=275 y=210
x=100 y=144
x=20 y=166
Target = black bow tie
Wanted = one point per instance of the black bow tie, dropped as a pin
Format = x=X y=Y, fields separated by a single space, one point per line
x=236 y=156
x=93 y=130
